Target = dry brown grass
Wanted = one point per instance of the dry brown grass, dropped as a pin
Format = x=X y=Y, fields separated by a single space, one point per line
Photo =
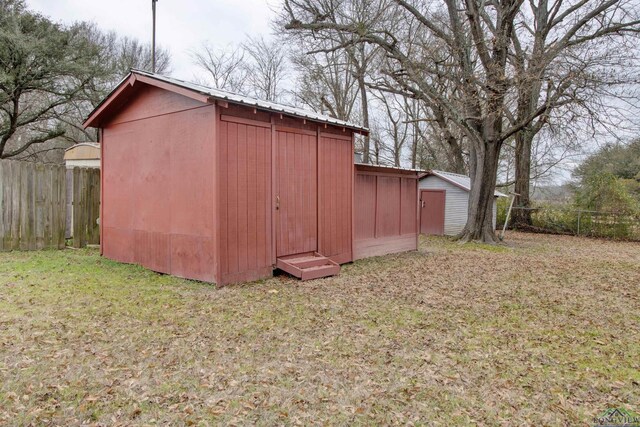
x=544 y=330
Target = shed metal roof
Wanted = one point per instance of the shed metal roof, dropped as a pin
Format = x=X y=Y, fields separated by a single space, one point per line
x=388 y=169
x=457 y=179
x=222 y=95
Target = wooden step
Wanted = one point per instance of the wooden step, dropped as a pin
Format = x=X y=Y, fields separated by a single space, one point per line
x=308 y=266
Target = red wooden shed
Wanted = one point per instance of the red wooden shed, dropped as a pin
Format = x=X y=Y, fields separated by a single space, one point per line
x=209 y=185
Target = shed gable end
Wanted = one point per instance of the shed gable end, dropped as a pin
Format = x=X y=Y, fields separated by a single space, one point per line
x=147 y=101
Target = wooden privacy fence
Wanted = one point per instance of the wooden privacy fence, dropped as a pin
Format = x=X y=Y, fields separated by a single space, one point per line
x=86 y=207
x=32 y=205
x=33 y=209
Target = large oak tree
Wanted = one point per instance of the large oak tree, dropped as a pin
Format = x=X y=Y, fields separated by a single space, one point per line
x=477 y=37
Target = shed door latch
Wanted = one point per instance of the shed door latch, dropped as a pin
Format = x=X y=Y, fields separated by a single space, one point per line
x=277 y=202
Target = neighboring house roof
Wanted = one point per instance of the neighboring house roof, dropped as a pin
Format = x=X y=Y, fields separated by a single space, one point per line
x=83 y=151
x=83 y=144
x=222 y=95
x=456 y=179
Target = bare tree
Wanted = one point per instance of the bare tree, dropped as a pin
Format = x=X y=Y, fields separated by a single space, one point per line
x=226 y=68
x=326 y=82
x=478 y=36
x=563 y=56
x=361 y=59
x=393 y=126
x=130 y=53
x=267 y=68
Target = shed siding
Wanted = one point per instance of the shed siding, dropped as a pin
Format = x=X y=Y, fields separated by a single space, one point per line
x=296 y=188
x=456 y=204
x=385 y=213
x=156 y=169
x=335 y=183
x=244 y=201
x=150 y=101
x=188 y=187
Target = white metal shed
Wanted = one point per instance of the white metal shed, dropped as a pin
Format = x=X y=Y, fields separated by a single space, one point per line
x=446 y=202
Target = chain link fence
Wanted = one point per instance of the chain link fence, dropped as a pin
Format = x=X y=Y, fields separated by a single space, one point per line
x=578 y=222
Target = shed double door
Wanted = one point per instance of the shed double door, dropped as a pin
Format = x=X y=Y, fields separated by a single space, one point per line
x=296 y=178
x=432 y=212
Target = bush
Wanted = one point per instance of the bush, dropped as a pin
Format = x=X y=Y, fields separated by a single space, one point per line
x=605 y=192
x=502 y=206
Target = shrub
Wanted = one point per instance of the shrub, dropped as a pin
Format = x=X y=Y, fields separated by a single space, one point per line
x=604 y=192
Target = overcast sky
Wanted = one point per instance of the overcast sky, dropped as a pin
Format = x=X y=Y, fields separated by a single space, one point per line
x=182 y=25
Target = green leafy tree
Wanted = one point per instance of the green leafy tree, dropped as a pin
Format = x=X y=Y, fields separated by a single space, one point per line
x=607 y=193
x=43 y=67
x=621 y=161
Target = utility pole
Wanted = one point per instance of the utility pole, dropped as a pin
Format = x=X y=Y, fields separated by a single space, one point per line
x=153 y=40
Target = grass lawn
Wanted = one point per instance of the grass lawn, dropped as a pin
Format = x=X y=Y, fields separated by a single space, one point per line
x=544 y=330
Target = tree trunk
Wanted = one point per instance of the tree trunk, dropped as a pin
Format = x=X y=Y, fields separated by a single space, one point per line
x=522 y=217
x=414 y=146
x=453 y=147
x=365 y=115
x=483 y=165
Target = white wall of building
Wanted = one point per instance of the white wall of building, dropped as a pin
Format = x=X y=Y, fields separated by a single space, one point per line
x=456 y=204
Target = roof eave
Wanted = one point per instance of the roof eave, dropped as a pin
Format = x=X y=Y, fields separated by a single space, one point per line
x=457 y=184
x=128 y=82
x=172 y=84
x=93 y=120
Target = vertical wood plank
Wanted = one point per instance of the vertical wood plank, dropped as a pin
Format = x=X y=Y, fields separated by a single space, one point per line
x=232 y=196
x=48 y=185
x=95 y=201
x=252 y=208
x=24 y=194
x=58 y=203
x=242 y=193
x=223 y=164
x=39 y=200
x=62 y=207
x=16 y=180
